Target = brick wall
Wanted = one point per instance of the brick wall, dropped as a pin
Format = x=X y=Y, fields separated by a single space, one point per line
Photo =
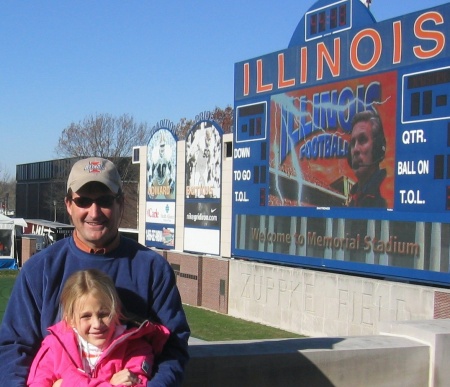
x=441 y=305
x=202 y=281
x=187 y=271
x=28 y=249
x=215 y=284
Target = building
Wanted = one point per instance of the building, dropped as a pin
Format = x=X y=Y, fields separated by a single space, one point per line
x=41 y=187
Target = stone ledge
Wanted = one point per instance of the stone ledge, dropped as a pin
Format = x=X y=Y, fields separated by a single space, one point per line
x=435 y=334
x=332 y=361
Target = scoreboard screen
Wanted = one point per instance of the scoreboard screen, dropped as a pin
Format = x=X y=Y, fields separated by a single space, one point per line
x=342 y=146
x=428 y=95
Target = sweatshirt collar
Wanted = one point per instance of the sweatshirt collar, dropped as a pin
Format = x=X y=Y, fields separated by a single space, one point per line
x=100 y=251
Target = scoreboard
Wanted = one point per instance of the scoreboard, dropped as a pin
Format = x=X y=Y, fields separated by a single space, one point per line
x=342 y=146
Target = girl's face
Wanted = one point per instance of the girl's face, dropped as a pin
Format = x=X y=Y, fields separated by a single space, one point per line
x=93 y=322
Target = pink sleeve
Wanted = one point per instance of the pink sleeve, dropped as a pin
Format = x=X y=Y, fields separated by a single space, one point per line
x=42 y=372
x=139 y=360
x=159 y=337
x=140 y=356
x=47 y=368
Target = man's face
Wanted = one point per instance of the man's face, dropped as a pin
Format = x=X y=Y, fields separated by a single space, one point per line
x=361 y=148
x=96 y=225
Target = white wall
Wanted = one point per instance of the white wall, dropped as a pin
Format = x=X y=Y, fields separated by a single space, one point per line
x=317 y=303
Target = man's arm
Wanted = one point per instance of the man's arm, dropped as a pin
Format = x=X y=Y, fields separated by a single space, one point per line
x=167 y=305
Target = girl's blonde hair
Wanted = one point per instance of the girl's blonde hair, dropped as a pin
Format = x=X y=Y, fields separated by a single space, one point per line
x=93 y=282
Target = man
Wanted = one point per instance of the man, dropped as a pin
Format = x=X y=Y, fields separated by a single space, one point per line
x=145 y=281
x=367 y=149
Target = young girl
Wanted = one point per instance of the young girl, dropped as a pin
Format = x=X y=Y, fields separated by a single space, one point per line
x=89 y=346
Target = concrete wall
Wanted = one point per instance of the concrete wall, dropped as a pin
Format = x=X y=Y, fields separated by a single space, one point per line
x=227 y=198
x=307 y=302
x=317 y=303
x=326 y=362
x=180 y=195
x=435 y=334
x=413 y=354
x=142 y=193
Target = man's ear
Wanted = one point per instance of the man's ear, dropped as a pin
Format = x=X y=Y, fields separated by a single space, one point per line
x=68 y=203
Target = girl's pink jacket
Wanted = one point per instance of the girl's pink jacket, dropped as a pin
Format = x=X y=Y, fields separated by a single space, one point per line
x=59 y=357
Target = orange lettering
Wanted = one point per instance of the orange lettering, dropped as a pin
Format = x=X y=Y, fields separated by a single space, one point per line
x=246 y=79
x=281 y=81
x=260 y=87
x=397 y=50
x=323 y=54
x=436 y=36
x=377 y=47
x=303 y=64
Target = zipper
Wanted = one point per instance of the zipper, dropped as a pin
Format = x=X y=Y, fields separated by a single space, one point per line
x=114 y=344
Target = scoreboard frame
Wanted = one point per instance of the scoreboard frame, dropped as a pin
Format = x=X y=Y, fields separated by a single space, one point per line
x=292 y=180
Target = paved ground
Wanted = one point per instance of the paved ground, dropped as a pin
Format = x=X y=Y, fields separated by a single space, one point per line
x=193 y=340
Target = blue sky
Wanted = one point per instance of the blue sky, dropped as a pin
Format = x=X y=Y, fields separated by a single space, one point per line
x=64 y=60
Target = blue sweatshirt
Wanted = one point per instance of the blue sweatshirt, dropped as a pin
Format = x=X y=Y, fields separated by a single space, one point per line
x=144 y=281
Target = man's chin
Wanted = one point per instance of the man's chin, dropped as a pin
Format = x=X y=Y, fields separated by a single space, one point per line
x=97 y=238
x=97 y=233
x=360 y=170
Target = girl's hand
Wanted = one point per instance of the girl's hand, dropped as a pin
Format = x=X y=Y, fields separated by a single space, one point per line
x=58 y=383
x=124 y=377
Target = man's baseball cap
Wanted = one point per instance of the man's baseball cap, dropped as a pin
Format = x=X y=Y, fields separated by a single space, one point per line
x=94 y=169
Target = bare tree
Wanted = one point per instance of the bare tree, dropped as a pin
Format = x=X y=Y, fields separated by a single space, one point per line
x=7 y=192
x=183 y=127
x=103 y=136
x=224 y=117
x=112 y=138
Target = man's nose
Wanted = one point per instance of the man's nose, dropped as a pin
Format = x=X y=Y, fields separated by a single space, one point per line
x=95 y=209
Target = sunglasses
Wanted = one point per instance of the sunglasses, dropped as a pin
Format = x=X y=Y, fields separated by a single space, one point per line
x=105 y=201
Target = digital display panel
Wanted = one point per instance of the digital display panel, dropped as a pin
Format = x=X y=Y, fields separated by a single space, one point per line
x=328 y=19
x=428 y=94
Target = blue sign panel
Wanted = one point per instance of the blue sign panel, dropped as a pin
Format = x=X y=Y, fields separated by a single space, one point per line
x=342 y=145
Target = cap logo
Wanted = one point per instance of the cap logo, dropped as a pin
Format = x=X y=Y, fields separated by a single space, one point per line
x=94 y=167
x=91 y=170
